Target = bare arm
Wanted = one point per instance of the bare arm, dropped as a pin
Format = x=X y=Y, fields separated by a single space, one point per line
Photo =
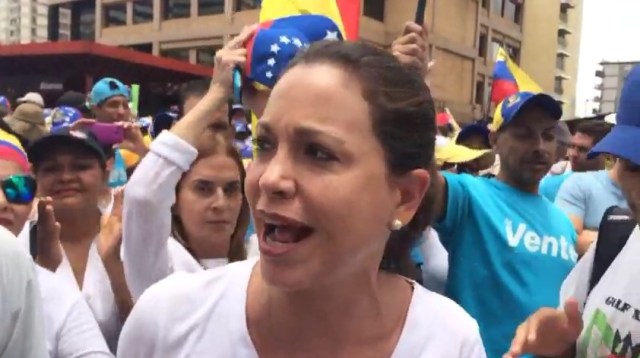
x=585 y=237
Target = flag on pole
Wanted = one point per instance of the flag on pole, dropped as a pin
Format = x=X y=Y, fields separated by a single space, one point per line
x=345 y=13
x=509 y=79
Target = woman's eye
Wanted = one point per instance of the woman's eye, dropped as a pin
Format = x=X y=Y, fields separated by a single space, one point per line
x=318 y=152
x=203 y=188
x=231 y=189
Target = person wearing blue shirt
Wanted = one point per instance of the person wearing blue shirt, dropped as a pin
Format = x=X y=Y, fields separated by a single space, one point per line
x=585 y=197
x=509 y=248
x=587 y=135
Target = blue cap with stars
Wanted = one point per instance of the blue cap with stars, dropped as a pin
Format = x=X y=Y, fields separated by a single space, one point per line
x=276 y=43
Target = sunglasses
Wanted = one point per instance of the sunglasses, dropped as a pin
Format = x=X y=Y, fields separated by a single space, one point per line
x=237 y=85
x=19 y=189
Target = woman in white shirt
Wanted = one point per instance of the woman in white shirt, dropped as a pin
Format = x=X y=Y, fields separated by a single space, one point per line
x=336 y=188
x=70 y=167
x=184 y=210
x=70 y=329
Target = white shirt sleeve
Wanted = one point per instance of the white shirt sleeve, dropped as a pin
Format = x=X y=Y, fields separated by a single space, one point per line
x=21 y=322
x=576 y=284
x=80 y=336
x=148 y=198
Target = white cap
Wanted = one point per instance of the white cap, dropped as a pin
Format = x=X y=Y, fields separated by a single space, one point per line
x=32 y=97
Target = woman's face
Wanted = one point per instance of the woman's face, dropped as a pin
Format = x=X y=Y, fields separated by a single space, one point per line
x=319 y=188
x=72 y=176
x=12 y=216
x=208 y=203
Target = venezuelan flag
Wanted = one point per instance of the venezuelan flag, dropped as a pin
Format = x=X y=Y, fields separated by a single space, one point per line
x=509 y=79
x=345 y=13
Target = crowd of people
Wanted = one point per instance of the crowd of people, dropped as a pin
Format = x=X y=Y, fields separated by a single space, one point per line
x=351 y=221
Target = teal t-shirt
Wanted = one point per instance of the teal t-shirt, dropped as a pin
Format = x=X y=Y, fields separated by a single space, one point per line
x=550 y=185
x=509 y=252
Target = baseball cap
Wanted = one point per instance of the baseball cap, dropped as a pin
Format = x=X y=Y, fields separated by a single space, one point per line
x=509 y=108
x=478 y=128
x=32 y=97
x=67 y=137
x=64 y=116
x=106 y=88
x=622 y=140
x=457 y=154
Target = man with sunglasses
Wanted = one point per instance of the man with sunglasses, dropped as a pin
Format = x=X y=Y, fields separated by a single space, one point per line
x=601 y=320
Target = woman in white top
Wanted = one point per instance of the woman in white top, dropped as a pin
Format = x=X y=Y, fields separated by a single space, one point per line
x=70 y=167
x=336 y=191
x=184 y=210
x=70 y=329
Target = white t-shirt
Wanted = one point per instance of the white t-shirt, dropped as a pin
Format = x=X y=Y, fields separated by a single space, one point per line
x=204 y=315
x=70 y=327
x=21 y=322
x=611 y=315
x=96 y=290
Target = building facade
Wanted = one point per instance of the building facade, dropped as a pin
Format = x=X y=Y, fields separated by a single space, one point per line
x=23 y=21
x=464 y=37
x=612 y=77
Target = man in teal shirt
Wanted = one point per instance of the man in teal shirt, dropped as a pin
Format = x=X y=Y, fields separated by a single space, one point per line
x=509 y=248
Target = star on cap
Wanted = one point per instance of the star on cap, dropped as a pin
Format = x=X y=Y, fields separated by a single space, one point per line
x=331 y=35
x=269 y=74
x=271 y=62
x=285 y=40
x=297 y=42
x=275 y=48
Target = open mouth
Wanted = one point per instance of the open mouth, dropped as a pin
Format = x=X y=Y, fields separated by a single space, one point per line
x=282 y=234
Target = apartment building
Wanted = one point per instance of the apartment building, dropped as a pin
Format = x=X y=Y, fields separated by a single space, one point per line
x=23 y=21
x=612 y=75
x=464 y=35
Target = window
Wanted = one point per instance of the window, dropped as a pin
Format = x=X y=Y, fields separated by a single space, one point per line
x=64 y=37
x=513 y=51
x=480 y=88
x=205 y=55
x=142 y=11
x=246 y=4
x=85 y=27
x=115 y=15
x=560 y=62
x=562 y=41
x=210 y=7
x=564 y=14
x=496 y=6
x=374 y=9
x=495 y=46
x=483 y=42
x=176 y=9
x=511 y=11
x=557 y=86
x=181 y=54
x=485 y=4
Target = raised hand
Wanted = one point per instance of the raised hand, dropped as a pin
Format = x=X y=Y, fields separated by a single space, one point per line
x=231 y=55
x=48 y=248
x=548 y=332
x=110 y=237
x=412 y=48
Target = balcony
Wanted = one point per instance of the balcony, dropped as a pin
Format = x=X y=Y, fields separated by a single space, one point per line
x=597 y=99
x=563 y=29
x=599 y=87
x=560 y=74
x=561 y=51
x=600 y=73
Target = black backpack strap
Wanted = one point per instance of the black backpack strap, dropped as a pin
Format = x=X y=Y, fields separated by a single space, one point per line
x=614 y=231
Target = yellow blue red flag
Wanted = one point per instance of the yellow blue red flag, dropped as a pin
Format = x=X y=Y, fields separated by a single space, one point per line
x=509 y=79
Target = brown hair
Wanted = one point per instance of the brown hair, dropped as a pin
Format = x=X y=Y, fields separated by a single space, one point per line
x=213 y=144
x=403 y=118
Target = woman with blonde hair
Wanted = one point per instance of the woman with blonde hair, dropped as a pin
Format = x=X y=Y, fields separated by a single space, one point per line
x=184 y=210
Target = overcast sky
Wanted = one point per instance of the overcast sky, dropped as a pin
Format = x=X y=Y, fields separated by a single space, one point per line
x=610 y=31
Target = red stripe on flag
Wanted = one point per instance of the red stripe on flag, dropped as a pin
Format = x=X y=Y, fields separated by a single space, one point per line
x=350 y=14
x=501 y=89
